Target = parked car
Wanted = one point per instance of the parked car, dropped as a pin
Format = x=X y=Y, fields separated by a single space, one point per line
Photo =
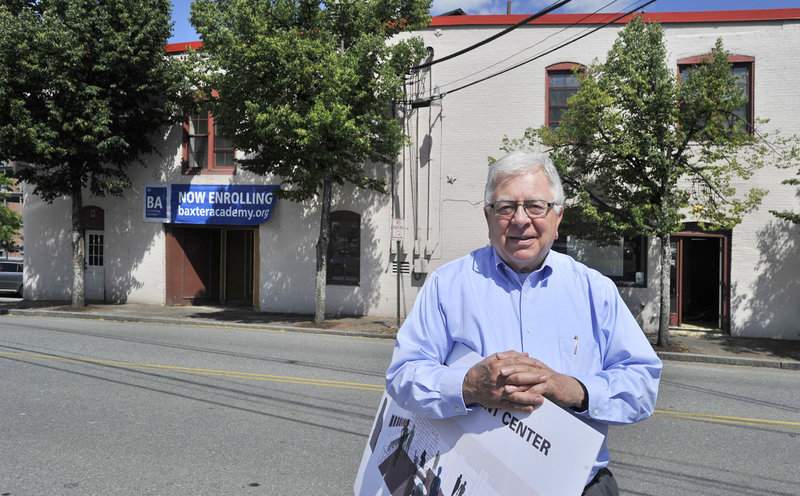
x=11 y=276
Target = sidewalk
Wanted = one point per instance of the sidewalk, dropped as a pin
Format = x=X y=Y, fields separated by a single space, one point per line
x=694 y=346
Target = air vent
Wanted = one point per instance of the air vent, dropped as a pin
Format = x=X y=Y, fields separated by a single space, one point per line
x=404 y=267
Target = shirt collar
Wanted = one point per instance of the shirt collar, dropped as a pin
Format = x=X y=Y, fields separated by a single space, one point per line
x=541 y=274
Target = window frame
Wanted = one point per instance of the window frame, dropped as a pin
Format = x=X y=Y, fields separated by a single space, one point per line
x=351 y=277
x=636 y=245
x=562 y=68
x=735 y=61
x=211 y=166
x=94 y=249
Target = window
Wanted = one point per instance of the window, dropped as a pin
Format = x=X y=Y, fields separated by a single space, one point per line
x=344 y=248
x=206 y=150
x=742 y=69
x=94 y=254
x=561 y=85
x=624 y=262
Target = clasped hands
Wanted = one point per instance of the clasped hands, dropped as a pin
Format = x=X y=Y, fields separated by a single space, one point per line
x=514 y=380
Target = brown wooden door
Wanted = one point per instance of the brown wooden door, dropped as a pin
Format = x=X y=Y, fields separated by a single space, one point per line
x=239 y=259
x=193 y=265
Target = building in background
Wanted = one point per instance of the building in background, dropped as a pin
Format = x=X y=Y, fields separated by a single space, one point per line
x=167 y=242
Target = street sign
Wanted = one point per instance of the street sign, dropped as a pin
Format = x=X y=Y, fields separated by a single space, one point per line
x=398 y=230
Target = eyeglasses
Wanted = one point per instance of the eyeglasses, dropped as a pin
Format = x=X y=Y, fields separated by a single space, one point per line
x=535 y=209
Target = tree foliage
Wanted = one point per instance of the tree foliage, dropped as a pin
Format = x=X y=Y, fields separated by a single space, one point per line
x=83 y=87
x=10 y=221
x=789 y=215
x=641 y=151
x=306 y=89
x=85 y=84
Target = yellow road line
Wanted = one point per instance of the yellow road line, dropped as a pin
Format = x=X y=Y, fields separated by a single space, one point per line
x=723 y=419
x=204 y=372
x=703 y=417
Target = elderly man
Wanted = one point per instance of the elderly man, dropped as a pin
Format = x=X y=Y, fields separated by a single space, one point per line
x=546 y=325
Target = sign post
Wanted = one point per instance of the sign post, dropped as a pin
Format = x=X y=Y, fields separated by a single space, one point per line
x=398 y=234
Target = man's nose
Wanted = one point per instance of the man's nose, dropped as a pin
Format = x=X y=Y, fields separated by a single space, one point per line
x=520 y=217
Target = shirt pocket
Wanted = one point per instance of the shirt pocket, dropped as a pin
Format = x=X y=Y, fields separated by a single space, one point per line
x=580 y=354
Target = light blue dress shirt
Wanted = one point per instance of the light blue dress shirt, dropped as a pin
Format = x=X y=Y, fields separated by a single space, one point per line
x=565 y=314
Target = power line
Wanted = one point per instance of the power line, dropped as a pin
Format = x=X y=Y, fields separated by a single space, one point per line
x=579 y=21
x=548 y=51
x=537 y=15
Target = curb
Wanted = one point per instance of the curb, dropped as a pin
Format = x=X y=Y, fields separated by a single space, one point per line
x=663 y=355
x=196 y=322
x=729 y=360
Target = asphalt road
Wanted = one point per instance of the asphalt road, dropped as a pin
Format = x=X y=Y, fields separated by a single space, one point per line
x=104 y=408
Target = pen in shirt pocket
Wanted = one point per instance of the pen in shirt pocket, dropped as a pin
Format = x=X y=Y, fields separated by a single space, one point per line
x=576 y=345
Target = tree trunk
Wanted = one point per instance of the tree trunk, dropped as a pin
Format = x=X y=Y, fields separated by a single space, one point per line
x=663 y=320
x=78 y=247
x=322 y=253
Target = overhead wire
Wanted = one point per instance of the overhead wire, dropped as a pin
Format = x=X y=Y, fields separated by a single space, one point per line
x=558 y=47
x=504 y=32
x=579 y=21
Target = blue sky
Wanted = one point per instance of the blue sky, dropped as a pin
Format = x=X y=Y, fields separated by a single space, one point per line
x=183 y=30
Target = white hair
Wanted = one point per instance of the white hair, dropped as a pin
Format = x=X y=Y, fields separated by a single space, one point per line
x=523 y=162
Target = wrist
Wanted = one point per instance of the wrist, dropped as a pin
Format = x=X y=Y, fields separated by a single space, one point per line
x=583 y=403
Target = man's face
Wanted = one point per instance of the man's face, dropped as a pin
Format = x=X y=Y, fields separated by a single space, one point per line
x=522 y=242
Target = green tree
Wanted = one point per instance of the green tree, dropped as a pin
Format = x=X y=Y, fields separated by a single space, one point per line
x=787 y=214
x=306 y=90
x=83 y=87
x=641 y=150
x=10 y=221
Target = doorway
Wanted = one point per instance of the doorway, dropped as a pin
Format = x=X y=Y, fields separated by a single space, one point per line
x=699 y=281
x=93 y=224
x=95 y=289
x=210 y=265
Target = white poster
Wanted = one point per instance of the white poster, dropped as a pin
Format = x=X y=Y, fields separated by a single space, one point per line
x=487 y=452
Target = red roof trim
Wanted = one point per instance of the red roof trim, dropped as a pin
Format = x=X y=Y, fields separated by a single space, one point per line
x=714 y=16
x=182 y=47
x=663 y=17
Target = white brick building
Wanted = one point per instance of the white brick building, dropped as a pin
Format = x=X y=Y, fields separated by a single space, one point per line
x=747 y=281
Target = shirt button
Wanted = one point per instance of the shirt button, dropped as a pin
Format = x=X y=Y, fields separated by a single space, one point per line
x=529 y=331
x=525 y=296
x=596 y=412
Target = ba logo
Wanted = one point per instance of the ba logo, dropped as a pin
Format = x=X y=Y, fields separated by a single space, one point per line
x=156 y=202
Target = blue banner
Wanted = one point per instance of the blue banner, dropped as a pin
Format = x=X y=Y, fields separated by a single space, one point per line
x=228 y=204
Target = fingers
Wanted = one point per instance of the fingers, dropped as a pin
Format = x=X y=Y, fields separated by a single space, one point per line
x=525 y=401
x=559 y=388
x=514 y=380
x=528 y=393
x=525 y=372
x=508 y=379
x=522 y=363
